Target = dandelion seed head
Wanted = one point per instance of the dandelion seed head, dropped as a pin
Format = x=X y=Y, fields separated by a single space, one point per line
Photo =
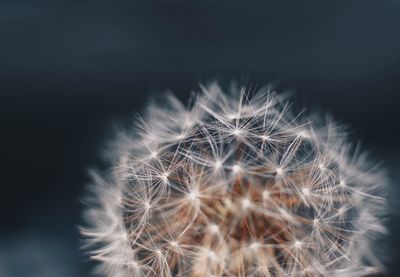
x=254 y=246
x=298 y=244
x=180 y=136
x=214 y=229
x=218 y=164
x=236 y=131
x=246 y=203
x=193 y=195
x=153 y=154
x=236 y=168
x=303 y=134
x=235 y=184
x=164 y=177
x=279 y=171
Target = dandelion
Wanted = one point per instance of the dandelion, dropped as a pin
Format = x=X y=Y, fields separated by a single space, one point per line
x=235 y=185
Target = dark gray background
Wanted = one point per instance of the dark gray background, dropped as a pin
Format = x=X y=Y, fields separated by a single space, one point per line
x=70 y=68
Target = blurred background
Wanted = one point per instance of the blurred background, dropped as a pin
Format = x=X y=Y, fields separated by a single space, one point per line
x=69 y=69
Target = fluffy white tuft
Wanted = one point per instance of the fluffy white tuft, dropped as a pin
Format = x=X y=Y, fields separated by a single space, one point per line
x=235 y=185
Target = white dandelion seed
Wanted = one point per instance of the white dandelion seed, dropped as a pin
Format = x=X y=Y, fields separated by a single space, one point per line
x=235 y=185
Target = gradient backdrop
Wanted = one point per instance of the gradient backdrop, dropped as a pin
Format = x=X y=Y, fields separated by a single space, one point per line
x=68 y=69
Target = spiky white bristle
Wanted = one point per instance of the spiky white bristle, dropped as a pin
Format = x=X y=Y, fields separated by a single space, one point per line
x=234 y=186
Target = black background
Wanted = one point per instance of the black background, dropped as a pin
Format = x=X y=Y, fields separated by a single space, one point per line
x=68 y=69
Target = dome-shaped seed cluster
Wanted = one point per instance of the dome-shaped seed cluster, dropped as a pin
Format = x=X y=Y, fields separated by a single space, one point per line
x=234 y=186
